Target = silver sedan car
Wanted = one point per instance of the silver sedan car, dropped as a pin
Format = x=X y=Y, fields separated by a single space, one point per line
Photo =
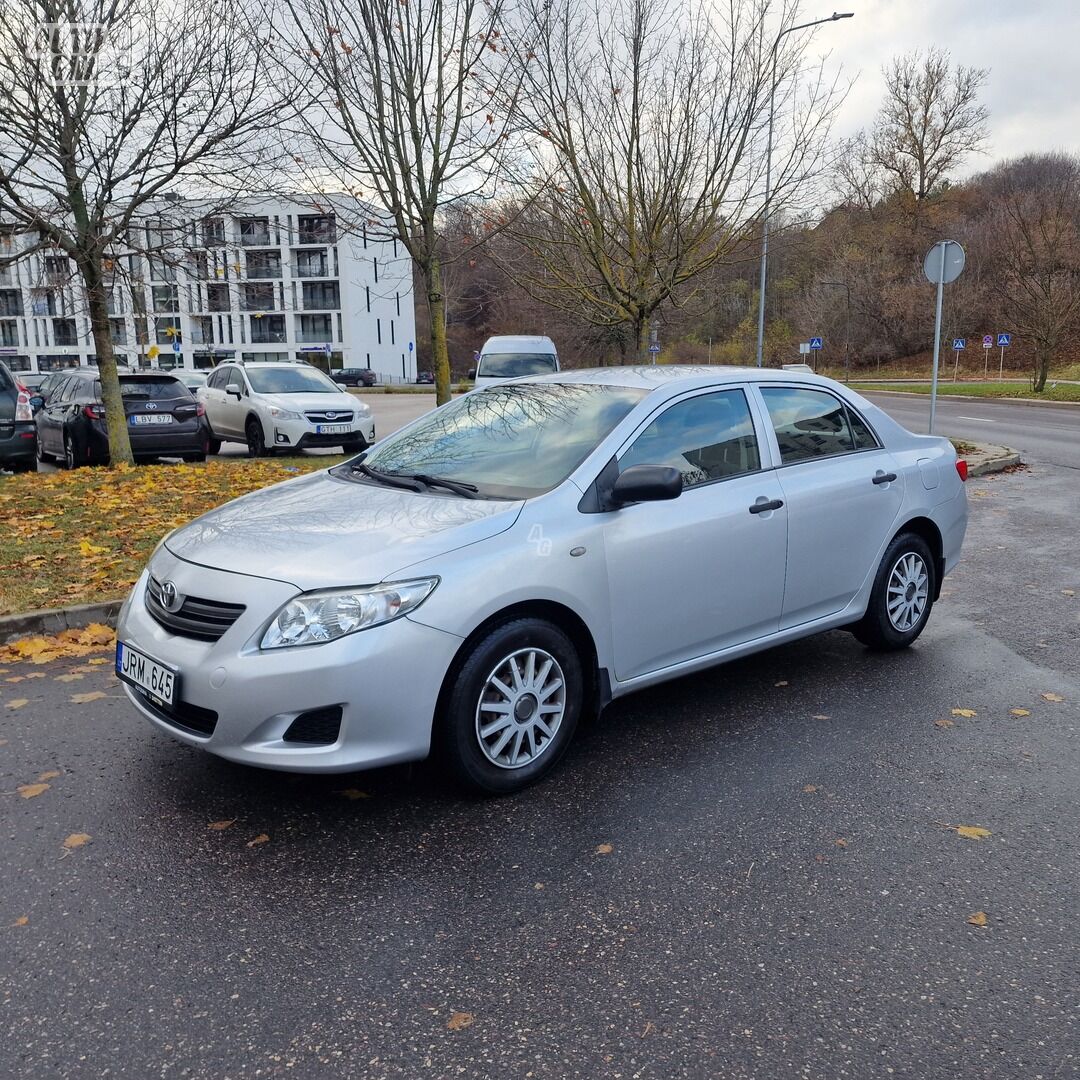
x=475 y=582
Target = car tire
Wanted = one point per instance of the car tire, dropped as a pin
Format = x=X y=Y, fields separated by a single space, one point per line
x=544 y=696
x=71 y=455
x=256 y=440
x=357 y=447
x=194 y=458
x=213 y=446
x=907 y=580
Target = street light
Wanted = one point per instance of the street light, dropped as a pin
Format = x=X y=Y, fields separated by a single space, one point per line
x=768 y=170
x=847 y=327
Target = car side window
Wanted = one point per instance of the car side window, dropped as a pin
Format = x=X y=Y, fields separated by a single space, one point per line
x=62 y=391
x=808 y=423
x=860 y=430
x=213 y=380
x=708 y=437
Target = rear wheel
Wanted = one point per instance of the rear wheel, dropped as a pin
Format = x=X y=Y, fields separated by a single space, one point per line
x=213 y=446
x=71 y=456
x=513 y=707
x=256 y=441
x=902 y=596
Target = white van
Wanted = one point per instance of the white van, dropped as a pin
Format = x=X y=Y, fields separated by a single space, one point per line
x=512 y=356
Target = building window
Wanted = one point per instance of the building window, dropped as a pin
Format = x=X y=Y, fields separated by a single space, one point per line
x=267 y=329
x=255 y=232
x=161 y=269
x=57 y=269
x=311 y=263
x=165 y=298
x=213 y=232
x=9 y=333
x=314 y=329
x=166 y=331
x=257 y=297
x=217 y=298
x=200 y=266
x=317 y=229
x=118 y=329
x=202 y=330
x=65 y=332
x=10 y=302
x=264 y=264
x=319 y=295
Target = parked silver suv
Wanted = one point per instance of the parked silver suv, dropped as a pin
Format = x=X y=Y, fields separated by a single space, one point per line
x=480 y=578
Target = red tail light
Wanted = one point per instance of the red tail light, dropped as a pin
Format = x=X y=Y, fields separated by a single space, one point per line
x=200 y=409
x=94 y=412
x=961 y=468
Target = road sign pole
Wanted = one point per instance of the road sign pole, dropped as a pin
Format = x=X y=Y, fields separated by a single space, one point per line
x=937 y=335
x=986 y=363
x=956 y=366
x=1001 y=369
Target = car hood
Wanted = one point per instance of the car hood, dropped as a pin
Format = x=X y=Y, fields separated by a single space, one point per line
x=318 y=531
x=342 y=402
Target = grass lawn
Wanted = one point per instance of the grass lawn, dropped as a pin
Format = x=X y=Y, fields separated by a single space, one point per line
x=84 y=536
x=1062 y=392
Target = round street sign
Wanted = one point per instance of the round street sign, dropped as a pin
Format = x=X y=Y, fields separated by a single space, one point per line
x=954 y=262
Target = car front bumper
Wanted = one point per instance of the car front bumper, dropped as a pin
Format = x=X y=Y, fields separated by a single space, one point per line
x=302 y=435
x=386 y=679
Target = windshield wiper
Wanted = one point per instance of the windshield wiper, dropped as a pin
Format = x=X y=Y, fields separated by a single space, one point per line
x=469 y=491
x=390 y=479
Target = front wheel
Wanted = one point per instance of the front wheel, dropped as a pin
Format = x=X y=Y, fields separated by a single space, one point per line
x=256 y=442
x=513 y=707
x=902 y=596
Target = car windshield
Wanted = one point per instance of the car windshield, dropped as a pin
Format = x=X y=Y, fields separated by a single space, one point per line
x=511 y=442
x=290 y=380
x=146 y=388
x=514 y=365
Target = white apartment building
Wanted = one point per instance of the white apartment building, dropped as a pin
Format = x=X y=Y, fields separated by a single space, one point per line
x=307 y=278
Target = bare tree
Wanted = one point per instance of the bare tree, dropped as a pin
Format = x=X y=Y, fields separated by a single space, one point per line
x=1034 y=218
x=650 y=117
x=410 y=105
x=929 y=122
x=107 y=105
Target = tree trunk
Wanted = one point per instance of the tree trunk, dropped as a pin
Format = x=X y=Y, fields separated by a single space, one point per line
x=115 y=418
x=1042 y=368
x=641 y=337
x=440 y=357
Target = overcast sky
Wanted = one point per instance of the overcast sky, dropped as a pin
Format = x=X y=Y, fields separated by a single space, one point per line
x=1029 y=46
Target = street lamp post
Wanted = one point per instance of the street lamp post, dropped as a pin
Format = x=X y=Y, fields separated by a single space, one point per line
x=768 y=170
x=847 y=327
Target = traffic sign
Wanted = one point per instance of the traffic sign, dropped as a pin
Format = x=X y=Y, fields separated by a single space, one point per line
x=1004 y=340
x=944 y=262
x=654 y=348
x=175 y=345
x=959 y=343
x=815 y=343
x=804 y=348
x=988 y=341
x=410 y=346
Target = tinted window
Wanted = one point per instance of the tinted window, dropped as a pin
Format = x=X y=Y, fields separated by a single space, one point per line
x=512 y=441
x=152 y=388
x=5 y=379
x=705 y=438
x=515 y=365
x=62 y=390
x=864 y=437
x=291 y=380
x=808 y=423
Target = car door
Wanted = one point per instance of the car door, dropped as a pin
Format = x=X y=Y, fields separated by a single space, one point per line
x=705 y=571
x=220 y=405
x=51 y=417
x=843 y=492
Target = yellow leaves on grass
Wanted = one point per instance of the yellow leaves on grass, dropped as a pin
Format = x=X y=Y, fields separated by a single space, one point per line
x=967 y=714
x=85 y=699
x=86 y=549
x=42 y=650
x=459 y=1020
x=978 y=918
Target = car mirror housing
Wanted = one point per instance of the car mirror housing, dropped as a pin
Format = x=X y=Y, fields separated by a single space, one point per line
x=471 y=374
x=234 y=389
x=647 y=483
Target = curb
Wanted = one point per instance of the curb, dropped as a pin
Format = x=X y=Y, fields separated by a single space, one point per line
x=972 y=397
x=53 y=620
x=1006 y=458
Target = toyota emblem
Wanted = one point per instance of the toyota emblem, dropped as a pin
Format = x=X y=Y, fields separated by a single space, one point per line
x=171 y=600
x=151 y=405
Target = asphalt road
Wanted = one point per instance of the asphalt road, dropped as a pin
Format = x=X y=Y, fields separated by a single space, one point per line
x=752 y=872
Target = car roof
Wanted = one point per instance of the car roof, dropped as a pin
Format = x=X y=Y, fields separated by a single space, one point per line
x=668 y=376
x=511 y=341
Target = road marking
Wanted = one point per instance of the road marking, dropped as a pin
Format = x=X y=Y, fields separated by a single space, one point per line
x=980 y=419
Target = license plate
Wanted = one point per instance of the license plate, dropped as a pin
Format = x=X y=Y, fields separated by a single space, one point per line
x=332 y=429
x=156 y=418
x=138 y=669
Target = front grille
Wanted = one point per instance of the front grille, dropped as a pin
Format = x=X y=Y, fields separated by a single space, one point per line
x=206 y=620
x=332 y=416
x=319 y=726
x=183 y=715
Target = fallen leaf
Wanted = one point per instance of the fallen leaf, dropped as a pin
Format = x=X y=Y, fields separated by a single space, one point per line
x=76 y=840
x=52 y=774
x=1068 y=592
x=1020 y=712
x=971 y=832
x=22 y=920
x=86 y=548
x=70 y=677
x=966 y=713
x=782 y=682
x=30 y=791
x=217 y=826
x=978 y=918
x=17 y=703
x=840 y=842
x=36 y=675
x=98 y=660
x=539 y=885
x=460 y=1020
x=945 y=723
x=83 y=699
x=810 y=788
x=1049 y=696
x=16 y=678
x=604 y=849
x=819 y=716
x=262 y=838
x=354 y=793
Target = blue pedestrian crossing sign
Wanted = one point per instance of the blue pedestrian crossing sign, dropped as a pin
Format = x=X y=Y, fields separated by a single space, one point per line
x=1004 y=340
x=959 y=343
x=654 y=348
x=815 y=343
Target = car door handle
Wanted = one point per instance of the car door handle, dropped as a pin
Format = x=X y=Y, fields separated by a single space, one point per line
x=761 y=506
x=884 y=477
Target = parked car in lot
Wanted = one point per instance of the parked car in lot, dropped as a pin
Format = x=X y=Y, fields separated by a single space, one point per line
x=192 y=379
x=354 y=376
x=477 y=580
x=425 y=377
x=164 y=419
x=18 y=439
x=283 y=406
x=514 y=356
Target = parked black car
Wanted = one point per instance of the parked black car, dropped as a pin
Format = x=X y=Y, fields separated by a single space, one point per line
x=353 y=376
x=18 y=441
x=425 y=376
x=164 y=419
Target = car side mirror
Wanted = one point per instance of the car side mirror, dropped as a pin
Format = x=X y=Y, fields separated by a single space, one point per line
x=471 y=373
x=36 y=402
x=235 y=389
x=647 y=483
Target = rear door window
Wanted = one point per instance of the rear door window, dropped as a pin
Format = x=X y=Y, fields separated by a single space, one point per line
x=808 y=423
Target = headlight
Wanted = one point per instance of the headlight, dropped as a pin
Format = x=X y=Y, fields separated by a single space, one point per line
x=323 y=616
x=284 y=414
x=362 y=409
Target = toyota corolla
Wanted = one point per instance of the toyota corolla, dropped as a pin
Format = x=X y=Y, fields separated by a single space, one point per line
x=477 y=581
